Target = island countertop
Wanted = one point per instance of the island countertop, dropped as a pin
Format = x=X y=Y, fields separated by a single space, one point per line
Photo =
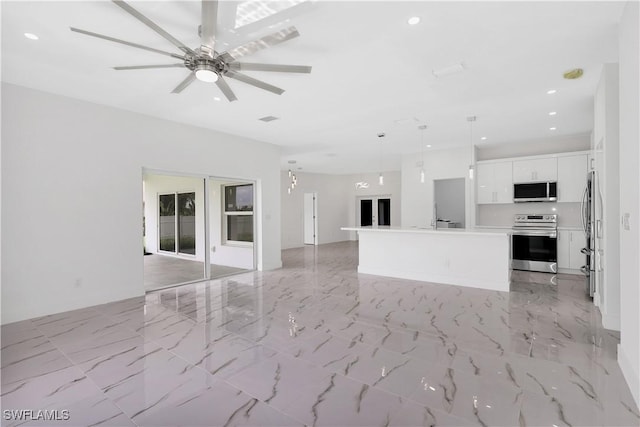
x=468 y=231
x=478 y=258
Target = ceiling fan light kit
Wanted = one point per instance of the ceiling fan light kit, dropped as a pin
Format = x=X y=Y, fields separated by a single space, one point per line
x=204 y=62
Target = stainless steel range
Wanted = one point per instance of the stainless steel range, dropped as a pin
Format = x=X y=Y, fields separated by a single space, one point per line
x=534 y=245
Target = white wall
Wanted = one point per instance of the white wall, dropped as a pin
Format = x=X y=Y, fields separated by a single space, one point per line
x=331 y=205
x=154 y=185
x=224 y=254
x=629 y=351
x=391 y=188
x=417 y=197
x=79 y=166
x=336 y=203
x=606 y=154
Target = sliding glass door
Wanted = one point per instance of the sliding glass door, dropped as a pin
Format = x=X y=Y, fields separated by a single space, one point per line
x=167 y=235
x=177 y=214
x=187 y=223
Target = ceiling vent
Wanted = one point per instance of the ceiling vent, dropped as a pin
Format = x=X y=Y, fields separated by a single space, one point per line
x=268 y=118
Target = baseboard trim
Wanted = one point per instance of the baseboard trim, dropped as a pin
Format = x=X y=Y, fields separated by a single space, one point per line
x=492 y=285
x=630 y=374
x=611 y=322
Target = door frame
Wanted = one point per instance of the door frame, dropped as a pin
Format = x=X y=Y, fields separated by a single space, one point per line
x=176 y=227
x=315 y=218
x=374 y=211
x=257 y=214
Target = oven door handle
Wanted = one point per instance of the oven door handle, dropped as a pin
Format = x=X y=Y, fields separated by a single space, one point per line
x=541 y=233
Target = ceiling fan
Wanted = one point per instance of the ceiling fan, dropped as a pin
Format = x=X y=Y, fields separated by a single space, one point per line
x=204 y=62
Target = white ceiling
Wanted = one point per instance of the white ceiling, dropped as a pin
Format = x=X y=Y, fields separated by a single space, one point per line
x=372 y=72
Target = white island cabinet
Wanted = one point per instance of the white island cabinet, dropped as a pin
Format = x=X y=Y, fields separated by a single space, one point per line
x=477 y=259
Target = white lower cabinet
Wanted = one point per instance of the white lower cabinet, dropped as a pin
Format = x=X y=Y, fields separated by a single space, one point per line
x=570 y=244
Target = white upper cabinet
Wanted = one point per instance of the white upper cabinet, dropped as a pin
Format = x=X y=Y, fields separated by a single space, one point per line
x=535 y=170
x=572 y=177
x=494 y=183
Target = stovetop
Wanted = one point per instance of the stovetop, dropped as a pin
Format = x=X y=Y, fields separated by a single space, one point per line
x=540 y=221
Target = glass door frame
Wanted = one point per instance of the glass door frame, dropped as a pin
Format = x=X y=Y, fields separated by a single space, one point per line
x=257 y=213
x=176 y=224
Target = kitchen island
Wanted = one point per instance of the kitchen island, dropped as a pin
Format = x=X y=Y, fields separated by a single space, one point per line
x=473 y=258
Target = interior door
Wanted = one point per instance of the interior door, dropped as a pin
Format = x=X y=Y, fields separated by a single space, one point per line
x=310 y=218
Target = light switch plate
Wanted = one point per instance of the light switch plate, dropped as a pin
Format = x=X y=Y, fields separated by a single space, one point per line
x=625 y=221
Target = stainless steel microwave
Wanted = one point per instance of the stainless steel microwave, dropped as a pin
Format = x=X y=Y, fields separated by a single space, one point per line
x=535 y=192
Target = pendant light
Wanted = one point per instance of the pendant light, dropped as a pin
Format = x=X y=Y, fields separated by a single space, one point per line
x=471 y=119
x=293 y=180
x=422 y=129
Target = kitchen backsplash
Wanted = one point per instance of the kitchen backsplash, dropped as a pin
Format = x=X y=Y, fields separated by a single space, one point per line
x=501 y=215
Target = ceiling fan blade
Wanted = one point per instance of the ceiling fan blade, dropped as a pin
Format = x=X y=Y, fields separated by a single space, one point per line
x=186 y=82
x=224 y=87
x=145 y=67
x=149 y=23
x=112 y=39
x=209 y=20
x=262 y=43
x=252 y=66
x=254 y=82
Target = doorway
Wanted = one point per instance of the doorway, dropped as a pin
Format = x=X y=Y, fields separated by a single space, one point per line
x=375 y=210
x=196 y=228
x=449 y=202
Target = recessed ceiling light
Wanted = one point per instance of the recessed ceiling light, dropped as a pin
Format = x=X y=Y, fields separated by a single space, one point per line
x=216 y=98
x=414 y=20
x=551 y=91
x=31 y=36
x=428 y=145
x=552 y=113
x=484 y=138
x=552 y=128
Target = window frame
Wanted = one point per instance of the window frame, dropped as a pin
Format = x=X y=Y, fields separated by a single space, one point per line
x=226 y=214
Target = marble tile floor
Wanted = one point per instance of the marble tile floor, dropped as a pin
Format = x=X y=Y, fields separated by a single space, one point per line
x=317 y=344
x=162 y=270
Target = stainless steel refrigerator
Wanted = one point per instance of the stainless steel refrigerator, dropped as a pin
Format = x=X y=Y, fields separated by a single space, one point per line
x=590 y=227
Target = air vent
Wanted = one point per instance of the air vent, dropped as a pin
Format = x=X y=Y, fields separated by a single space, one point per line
x=268 y=118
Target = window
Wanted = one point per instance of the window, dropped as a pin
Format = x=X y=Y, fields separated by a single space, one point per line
x=238 y=213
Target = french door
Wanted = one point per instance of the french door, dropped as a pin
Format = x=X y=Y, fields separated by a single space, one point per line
x=374 y=211
x=177 y=223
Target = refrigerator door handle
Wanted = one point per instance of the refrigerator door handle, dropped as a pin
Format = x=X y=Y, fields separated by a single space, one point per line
x=583 y=209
